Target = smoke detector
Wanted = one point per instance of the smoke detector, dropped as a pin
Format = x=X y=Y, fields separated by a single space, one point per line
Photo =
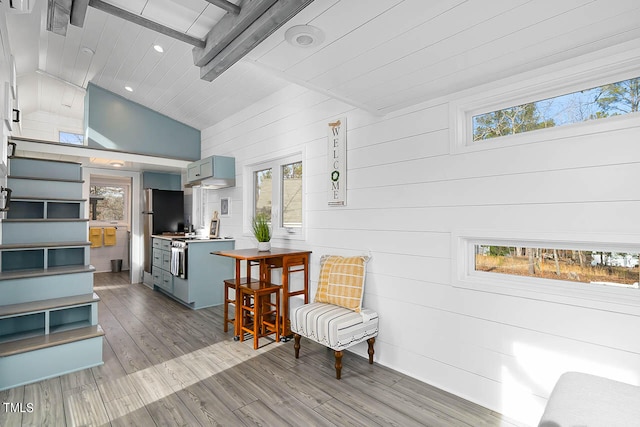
x=304 y=36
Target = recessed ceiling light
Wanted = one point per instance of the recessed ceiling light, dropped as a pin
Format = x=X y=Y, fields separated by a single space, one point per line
x=87 y=50
x=158 y=48
x=128 y=88
x=116 y=163
x=304 y=36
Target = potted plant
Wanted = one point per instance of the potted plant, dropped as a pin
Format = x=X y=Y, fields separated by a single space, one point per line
x=261 y=231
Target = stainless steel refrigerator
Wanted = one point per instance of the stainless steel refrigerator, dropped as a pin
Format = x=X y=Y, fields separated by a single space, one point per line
x=163 y=212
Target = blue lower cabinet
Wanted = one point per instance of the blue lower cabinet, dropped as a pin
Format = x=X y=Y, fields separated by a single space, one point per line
x=204 y=284
x=181 y=290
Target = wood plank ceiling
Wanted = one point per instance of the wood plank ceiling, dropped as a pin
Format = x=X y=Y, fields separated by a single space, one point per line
x=381 y=55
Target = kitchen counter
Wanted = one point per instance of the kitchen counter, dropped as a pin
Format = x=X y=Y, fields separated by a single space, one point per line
x=203 y=286
x=192 y=240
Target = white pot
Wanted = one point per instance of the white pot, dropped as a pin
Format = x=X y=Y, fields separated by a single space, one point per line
x=264 y=246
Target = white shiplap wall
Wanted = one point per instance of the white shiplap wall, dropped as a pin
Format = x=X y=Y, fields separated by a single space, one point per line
x=408 y=192
x=46 y=126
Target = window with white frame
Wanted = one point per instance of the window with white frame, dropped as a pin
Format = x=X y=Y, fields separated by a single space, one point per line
x=109 y=202
x=599 y=267
x=579 y=100
x=559 y=267
x=612 y=99
x=71 y=138
x=276 y=190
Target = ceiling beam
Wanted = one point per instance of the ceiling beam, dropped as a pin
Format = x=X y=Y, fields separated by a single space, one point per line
x=78 y=12
x=228 y=28
x=260 y=29
x=144 y=22
x=226 y=5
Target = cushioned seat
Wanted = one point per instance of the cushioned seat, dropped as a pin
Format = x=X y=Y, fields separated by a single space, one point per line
x=334 y=326
x=580 y=399
x=336 y=319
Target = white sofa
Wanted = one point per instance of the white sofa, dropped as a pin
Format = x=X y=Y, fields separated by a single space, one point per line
x=585 y=400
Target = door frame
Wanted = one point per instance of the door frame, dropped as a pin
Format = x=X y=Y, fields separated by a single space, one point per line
x=135 y=250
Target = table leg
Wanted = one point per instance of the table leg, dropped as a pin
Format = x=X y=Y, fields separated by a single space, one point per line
x=238 y=311
x=285 y=299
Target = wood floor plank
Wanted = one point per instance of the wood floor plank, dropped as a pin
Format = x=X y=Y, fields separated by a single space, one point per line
x=168 y=365
x=339 y=413
x=260 y=414
x=468 y=412
x=83 y=406
x=128 y=410
x=76 y=379
x=228 y=392
x=305 y=390
x=15 y=396
x=111 y=369
x=150 y=384
x=208 y=409
x=380 y=395
x=171 y=411
x=126 y=350
x=47 y=401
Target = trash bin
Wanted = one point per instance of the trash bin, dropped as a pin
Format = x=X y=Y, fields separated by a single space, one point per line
x=116 y=265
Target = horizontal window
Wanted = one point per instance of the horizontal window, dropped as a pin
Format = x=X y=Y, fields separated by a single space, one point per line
x=71 y=138
x=587 y=267
x=608 y=100
x=581 y=269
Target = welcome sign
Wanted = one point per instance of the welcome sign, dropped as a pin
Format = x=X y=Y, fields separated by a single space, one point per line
x=337 y=162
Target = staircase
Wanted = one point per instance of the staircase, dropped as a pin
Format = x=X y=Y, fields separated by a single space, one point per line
x=48 y=310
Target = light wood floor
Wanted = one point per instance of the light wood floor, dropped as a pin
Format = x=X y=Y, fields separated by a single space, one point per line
x=167 y=365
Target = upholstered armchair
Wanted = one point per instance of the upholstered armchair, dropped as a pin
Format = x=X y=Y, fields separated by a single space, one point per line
x=336 y=318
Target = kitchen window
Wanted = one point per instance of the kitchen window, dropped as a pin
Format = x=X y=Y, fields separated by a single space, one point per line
x=277 y=191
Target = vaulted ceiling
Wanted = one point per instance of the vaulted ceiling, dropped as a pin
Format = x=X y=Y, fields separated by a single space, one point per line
x=381 y=55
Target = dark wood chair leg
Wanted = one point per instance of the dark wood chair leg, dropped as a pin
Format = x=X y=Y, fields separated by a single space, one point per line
x=296 y=344
x=370 y=341
x=338 y=363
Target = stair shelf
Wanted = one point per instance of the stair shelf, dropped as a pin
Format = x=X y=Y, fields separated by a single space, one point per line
x=49 y=312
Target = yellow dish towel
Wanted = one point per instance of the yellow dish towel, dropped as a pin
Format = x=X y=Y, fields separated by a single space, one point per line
x=109 y=236
x=95 y=237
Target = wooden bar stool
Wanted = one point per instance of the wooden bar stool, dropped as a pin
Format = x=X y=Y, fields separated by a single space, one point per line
x=228 y=299
x=259 y=316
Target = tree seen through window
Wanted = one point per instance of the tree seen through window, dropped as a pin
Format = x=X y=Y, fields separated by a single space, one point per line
x=600 y=102
x=108 y=203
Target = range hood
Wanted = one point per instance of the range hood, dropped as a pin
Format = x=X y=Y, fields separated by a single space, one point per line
x=212 y=183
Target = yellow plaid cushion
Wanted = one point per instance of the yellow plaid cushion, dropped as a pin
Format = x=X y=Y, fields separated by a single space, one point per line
x=345 y=281
x=326 y=264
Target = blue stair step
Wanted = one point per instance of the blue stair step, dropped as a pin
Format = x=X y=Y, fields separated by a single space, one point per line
x=34 y=230
x=45 y=188
x=21 y=286
x=41 y=357
x=45 y=168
